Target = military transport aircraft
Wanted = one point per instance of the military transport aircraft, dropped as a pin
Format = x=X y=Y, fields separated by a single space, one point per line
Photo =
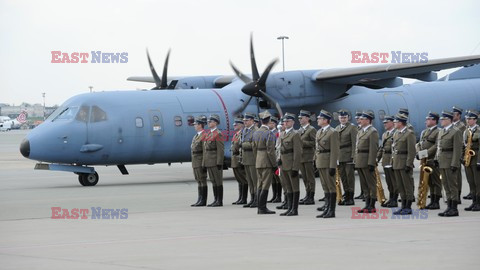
x=119 y=128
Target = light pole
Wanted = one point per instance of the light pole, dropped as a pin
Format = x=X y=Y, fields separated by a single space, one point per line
x=283 y=49
x=91 y=87
x=43 y=95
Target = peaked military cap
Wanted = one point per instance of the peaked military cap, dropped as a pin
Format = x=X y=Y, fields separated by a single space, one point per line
x=368 y=114
x=400 y=117
x=432 y=115
x=472 y=114
x=238 y=120
x=288 y=116
x=304 y=113
x=343 y=112
x=264 y=115
x=274 y=119
x=248 y=116
x=358 y=114
x=214 y=117
x=388 y=118
x=202 y=119
x=403 y=111
x=325 y=115
x=447 y=114
x=457 y=109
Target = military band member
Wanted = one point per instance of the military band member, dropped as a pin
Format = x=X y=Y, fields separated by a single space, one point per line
x=348 y=137
x=428 y=141
x=307 y=134
x=385 y=155
x=473 y=170
x=359 y=127
x=266 y=161
x=327 y=147
x=365 y=160
x=447 y=159
x=276 y=185
x=213 y=155
x=238 y=168
x=249 y=157
x=290 y=162
x=460 y=125
x=403 y=156
x=281 y=127
x=199 y=172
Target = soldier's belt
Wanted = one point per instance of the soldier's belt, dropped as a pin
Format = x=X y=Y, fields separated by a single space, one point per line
x=363 y=151
x=387 y=152
x=401 y=152
x=261 y=149
x=286 y=151
x=211 y=150
x=430 y=141
x=247 y=150
x=197 y=152
x=345 y=146
x=236 y=152
x=307 y=147
x=323 y=151
x=446 y=149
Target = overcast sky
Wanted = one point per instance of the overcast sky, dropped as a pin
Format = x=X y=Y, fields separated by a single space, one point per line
x=205 y=35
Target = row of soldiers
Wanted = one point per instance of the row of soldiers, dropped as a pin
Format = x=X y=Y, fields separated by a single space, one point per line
x=266 y=156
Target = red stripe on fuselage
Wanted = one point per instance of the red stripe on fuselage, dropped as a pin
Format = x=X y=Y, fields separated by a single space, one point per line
x=226 y=115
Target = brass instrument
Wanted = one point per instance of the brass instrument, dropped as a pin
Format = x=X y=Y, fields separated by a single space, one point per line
x=469 y=153
x=425 y=172
x=337 y=186
x=380 y=193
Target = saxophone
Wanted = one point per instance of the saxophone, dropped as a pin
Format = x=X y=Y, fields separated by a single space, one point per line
x=469 y=153
x=425 y=172
x=337 y=186
x=380 y=194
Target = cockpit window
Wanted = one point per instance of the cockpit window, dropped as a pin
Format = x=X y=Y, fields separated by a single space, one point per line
x=98 y=115
x=63 y=113
x=82 y=114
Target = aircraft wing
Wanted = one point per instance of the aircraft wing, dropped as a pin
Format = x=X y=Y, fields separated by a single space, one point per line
x=386 y=75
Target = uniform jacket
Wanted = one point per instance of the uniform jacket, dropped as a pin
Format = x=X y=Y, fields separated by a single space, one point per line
x=428 y=141
x=403 y=149
x=308 y=143
x=366 y=148
x=213 y=149
x=264 y=142
x=385 y=150
x=348 y=138
x=460 y=125
x=327 y=148
x=290 y=150
x=475 y=144
x=235 y=149
x=249 y=155
x=449 y=148
x=197 y=150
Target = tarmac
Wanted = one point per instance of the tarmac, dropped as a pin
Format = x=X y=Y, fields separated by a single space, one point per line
x=162 y=231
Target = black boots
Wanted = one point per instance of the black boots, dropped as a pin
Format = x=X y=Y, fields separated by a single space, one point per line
x=365 y=208
x=476 y=207
x=288 y=203
x=262 y=203
x=327 y=201
x=252 y=199
x=406 y=208
x=243 y=193
x=284 y=203
x=474 y=202
x=329 y=208
x=434 y=202
x=202 y=197
x=348 y=199
x=360 y=197
x=277 y=193
x=309 y=199
x=469 y=196
x=452 y=210
x=393 y=201
x=218 y=194
x=292 y=201
x=240 y=190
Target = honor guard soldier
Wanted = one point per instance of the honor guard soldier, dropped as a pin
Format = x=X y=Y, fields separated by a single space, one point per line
x=405 y=112
x=281 y=127
x=213 y=155
x=471 y=138
x=266 y=161
x=276 y=184
x=460 y=125
x=307 y=134
x=402 y=158
x=447 y=159
x=348 y=137
x=199 y=172
x=327 y=147
x=359 y=127
x=238 y=168
x=249 y=157
x=290 y=162
x=428 y=141
x=385 y=155
x=365 y=160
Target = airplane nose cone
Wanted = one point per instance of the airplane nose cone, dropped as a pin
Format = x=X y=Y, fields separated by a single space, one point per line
x=25 y=148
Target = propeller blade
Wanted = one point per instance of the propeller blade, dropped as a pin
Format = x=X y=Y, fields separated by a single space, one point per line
x=263 y=79
x=158 y=81
x=165 y=72
x=244 y=105
x=272 y=101
x=255 y=74
x=239 y=74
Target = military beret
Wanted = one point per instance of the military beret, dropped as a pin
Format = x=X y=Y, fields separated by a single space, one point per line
x=446 y=114
x=403 y=111
x=388 y=118
x=274 y=119
x=202 y=119
x=432 y=115
x=368 y=114
x=238 y=120
x=304 y=113
x=325 y=115
x=457 y=109
x=214 y=117
x=343 y=112
x=472 y=114
x=288 y=116
x=264 y=115
x=400 y=117
x=248 y=116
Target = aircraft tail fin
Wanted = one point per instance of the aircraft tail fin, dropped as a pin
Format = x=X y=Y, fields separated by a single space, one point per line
x=22 y=118
x=470 y=72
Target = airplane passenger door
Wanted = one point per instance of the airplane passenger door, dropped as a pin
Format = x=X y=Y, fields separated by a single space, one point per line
x=394 y=101
x=99 y=130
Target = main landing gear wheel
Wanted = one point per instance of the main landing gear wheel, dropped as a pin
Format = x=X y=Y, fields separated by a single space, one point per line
x=90 y=179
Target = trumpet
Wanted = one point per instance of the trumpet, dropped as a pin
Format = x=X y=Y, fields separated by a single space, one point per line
x=337 y=186
x=469 y=153
x=380 y=192
x=425 y=172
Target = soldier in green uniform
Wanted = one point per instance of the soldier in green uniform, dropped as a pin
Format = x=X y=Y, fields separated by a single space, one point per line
x=385 y=155
x=281 y=127
x=473 y=170
x=249 y=157
x=276 y=184
x=357 y=120
x=327 y=148
x=199 y=172
x=447 y=159
x=460 y=125
x=348 y=137
x=366 y=160
x=428 y=141
x=307 y=134
x=403 y=155
x=290 y=162
x=238 y=168
x=266 y=161
x=213 y=155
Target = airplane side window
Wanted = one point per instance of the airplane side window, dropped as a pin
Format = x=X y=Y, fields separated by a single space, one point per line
x=82 y=114
x=98 y=115
x=139 y=122
x=190 y=120
x=381 y=114
x=178 y=121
